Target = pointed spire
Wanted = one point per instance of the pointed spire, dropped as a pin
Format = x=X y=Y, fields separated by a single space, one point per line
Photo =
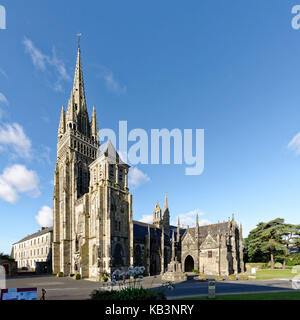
x=94 y=126
x=166 y=202
x=62 y=122
x=178 y=230
x=173 y=246
x=197 y=221
x=71 y=113
x=77 y=111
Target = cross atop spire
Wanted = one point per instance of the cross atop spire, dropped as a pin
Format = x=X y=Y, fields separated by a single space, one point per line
x=79 y=36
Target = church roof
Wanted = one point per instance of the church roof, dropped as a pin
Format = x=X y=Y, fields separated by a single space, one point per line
x=213 y=229
x=37 y=234
x=140 y=231
x=111 y=154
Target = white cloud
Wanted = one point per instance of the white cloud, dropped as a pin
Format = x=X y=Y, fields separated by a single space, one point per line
x=7 y=192
x=42 y=62
x=45 y=217
x=111 y=82
x=189 y=219
x=3 y=73
x=39 y=60
x=13 y=136
x=137 y=178
x=147 y=218
x=294 y=144
x=18 y=179
x=3 y=99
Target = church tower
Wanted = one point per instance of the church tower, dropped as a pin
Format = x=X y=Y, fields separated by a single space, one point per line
x=110 y=215
x=76 y=149
x=157 y=216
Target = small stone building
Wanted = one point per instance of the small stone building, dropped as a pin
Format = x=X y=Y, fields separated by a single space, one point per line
x=9 y=265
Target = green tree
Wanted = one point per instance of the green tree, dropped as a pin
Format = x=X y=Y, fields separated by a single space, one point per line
x=253 y=246
x=266 y=240
x=271 y=237
x=290 y=238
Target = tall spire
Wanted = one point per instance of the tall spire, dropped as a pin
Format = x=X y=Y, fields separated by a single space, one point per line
x=173 y=247
x=77 y=100
x=62 y=123
x=166 y=202
x=71 y=113
x=94 y=126
x=166 y=217
x=178 y=230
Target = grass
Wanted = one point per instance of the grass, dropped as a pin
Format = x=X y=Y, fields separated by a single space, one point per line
x=274 y=274
x=293 y=295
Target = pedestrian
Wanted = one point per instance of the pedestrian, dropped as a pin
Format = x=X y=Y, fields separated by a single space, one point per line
x=43 y=297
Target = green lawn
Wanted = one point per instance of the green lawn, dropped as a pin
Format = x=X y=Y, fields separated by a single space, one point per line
x=293 y=295
x=274 y=274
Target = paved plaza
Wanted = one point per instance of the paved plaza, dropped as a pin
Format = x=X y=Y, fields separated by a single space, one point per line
x=70 y=289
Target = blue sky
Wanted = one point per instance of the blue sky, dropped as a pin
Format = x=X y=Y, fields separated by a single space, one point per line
x=229 y=67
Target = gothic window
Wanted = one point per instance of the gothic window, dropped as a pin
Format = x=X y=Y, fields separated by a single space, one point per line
x=121 y=175
x=119 y=226
x=111 y=173
x=138 y=255
x=209 y=254
x=118 y=253
x=76 y=244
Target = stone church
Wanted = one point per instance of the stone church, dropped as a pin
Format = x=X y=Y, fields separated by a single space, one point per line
x=94 y=232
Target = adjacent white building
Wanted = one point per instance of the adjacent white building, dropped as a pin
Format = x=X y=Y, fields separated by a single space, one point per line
x=34 y=248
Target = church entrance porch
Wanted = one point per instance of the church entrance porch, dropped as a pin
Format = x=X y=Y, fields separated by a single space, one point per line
x=188 y=264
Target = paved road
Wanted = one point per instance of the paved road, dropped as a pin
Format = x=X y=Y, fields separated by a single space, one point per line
x=69 y=289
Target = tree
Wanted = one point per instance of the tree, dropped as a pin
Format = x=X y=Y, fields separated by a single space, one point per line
x=266 y=240
x=271 y=237
x=253 y=245
x=290 y=238
x=5 y=256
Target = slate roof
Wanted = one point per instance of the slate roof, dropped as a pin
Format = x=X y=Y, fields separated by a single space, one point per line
x=213 y=228
x=34 y=235
x=111 y=154
x=140 y=231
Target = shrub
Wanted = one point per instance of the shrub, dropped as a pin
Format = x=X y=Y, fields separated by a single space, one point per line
x=243 y=277
x=128 y=294
x=60 y=274
x=202 y=277
x=232 y=277
x=195 y=271
x=77 y=276
x=278 y=265
x=219 y=278
x=104 y=278
x=293 y=260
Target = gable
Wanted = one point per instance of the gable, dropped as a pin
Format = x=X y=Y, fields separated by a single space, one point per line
x=209 y=243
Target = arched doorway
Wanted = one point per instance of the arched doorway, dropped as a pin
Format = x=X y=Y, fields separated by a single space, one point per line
x=189 y=264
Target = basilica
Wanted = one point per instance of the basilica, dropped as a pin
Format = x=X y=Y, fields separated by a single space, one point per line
x=94 y=232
